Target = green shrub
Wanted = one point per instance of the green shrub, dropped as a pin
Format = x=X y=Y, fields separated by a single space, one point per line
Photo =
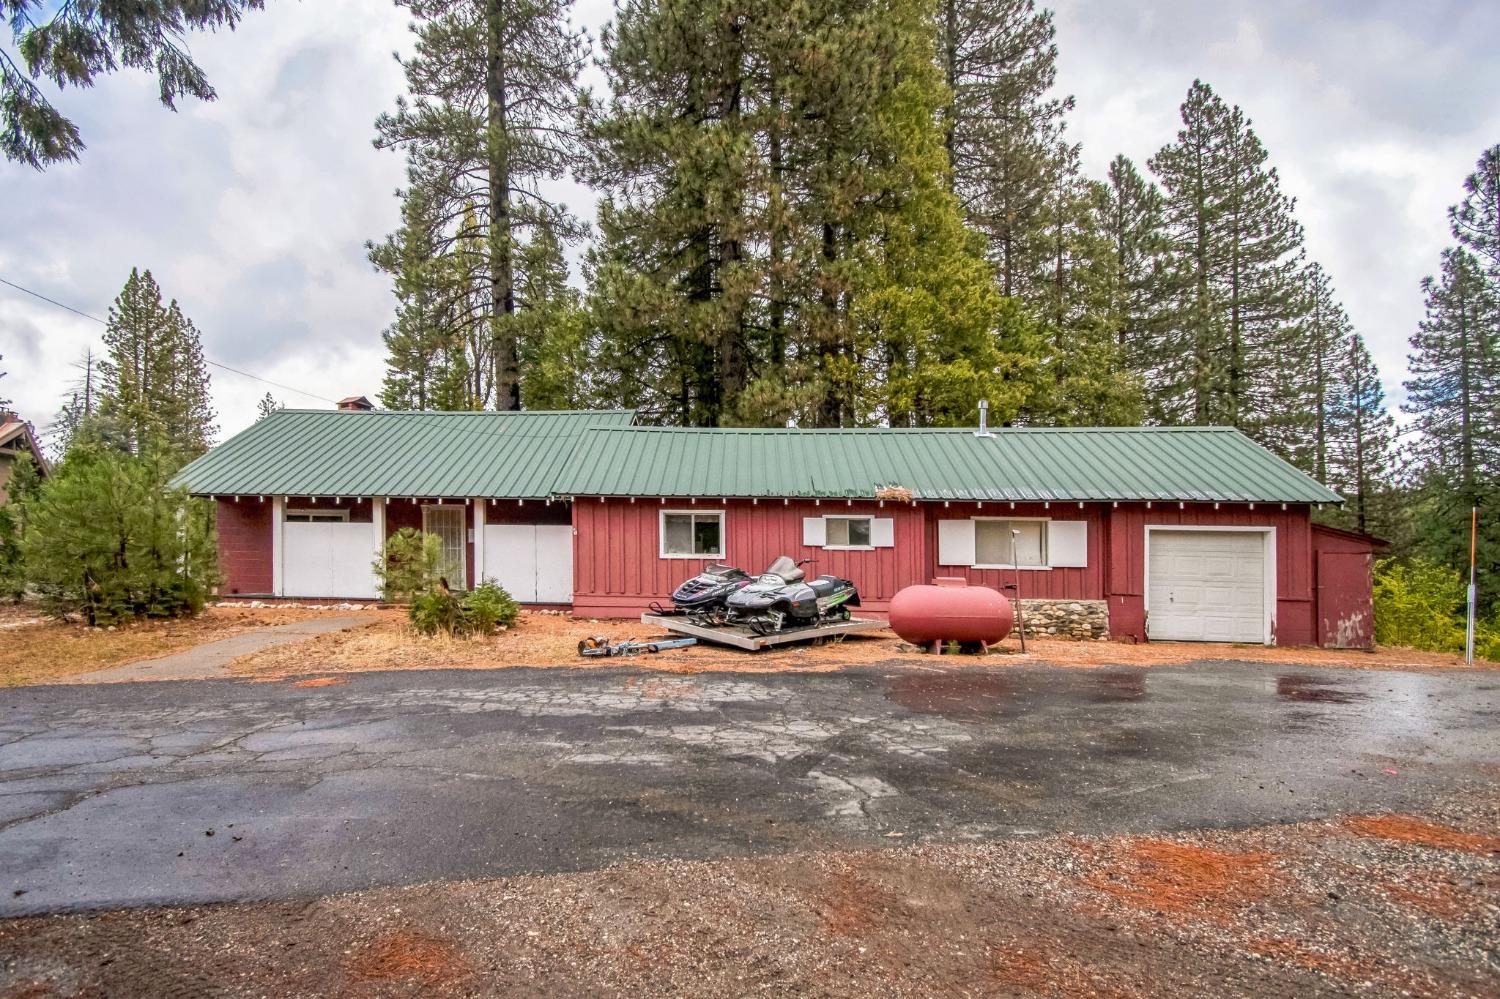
x=435 y=611
x=411 y=566
x=490 y=608
x=1419 y=604
x=108 y=539
x=483 y=611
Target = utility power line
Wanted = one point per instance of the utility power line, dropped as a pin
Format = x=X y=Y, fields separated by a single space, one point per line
x=209 y=360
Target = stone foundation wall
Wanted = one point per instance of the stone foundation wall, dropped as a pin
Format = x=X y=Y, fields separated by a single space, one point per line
x=1080 y=619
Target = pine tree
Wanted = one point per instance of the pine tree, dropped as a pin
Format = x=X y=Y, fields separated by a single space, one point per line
x=1476 y=219
x=557 y=344
x=3 y=402
x=71 y=44
x=1232 y=354
x=268 y=406
x=1358 y=439
x=154 y=386
x=76 y=416
x=1132 y=219
x=1323 y=351
x=494 y=100
x=1003 y=130
x=1454 y=394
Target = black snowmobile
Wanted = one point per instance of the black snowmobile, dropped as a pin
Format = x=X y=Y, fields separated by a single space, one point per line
x=702 y=597
x=783 y=598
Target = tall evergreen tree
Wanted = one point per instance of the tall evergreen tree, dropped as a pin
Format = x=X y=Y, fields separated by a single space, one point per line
x=494 y=87
x=1322 y=354
x=778 y=242
x=1454 y=394
x=1476 y=219
x=268 y=406
x=154 y=387
x=71 y=44
x=1132 y=219
x=1357 y=439
x=1238 y=256
x=1003 y=129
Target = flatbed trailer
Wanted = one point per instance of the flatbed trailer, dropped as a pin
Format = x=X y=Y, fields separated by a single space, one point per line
x=741 y=637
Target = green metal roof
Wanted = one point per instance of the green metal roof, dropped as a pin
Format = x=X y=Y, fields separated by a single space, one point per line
x=1096 y=463
x=302 y=452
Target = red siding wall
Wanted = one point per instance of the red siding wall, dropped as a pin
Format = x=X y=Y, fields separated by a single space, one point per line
x=1126 y=569
x=245 y=545
x=617 y=568
x=1344 y=585
x=1039 y=584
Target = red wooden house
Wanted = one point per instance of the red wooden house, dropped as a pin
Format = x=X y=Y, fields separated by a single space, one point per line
x=1167 y=533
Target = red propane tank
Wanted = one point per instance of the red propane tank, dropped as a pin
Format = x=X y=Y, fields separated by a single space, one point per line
x=950 y=610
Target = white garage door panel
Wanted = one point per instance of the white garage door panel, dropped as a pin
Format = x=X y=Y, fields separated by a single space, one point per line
x=328 y=560
x=1207 y=586
x=533 y=562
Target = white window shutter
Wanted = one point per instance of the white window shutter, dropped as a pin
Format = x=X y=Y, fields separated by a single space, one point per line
x=883 y=532
x=814 y=532
x=955 y=542
x=1068 y=544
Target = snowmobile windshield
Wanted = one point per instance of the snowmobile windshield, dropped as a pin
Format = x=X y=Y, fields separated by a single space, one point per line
x=784 y=568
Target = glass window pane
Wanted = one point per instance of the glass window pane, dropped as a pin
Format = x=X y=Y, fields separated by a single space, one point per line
x=837 y=531
x=992 y=542
x=706 y=535
x=677 y=531
x=859 y=532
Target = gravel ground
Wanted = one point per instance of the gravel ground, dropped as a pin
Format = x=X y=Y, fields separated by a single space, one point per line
x=1358 y=905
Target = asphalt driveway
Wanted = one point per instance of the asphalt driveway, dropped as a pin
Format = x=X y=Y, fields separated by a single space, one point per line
x=131 y=794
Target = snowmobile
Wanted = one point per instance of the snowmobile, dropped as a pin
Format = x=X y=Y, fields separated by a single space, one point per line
x=782 y=598
x=702 y=597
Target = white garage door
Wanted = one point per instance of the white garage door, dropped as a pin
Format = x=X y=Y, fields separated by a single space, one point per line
x=328 y=560
x=1207 y=586
x=534 y=562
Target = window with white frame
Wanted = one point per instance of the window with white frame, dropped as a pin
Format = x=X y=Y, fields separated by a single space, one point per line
x=1010 y=542
x=317 y=516
x=847 y=532
x=692 y=534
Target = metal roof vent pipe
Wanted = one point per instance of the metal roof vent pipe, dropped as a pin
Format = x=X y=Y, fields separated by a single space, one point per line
x=984 y=419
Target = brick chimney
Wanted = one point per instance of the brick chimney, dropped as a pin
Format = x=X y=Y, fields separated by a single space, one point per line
x=356 y=404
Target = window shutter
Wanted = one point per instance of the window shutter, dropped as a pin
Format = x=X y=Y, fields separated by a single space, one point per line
x=1068 y=544
x=814 y=532
x=955 y=542
x=883 y=532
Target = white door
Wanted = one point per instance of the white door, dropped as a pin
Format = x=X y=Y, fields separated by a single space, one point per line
x=554 y=564
x=447 y=522
x=1207 y=586
x=510 y=559
x=533 y=562
x=328 y=560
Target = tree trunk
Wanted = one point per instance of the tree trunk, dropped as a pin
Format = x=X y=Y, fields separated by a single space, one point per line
x=507 y=359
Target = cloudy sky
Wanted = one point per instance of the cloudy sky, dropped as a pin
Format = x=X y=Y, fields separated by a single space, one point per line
x=253 y=211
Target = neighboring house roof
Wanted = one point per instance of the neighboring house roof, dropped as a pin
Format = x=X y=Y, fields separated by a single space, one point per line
x=1102 y=463
x=17 y=433
x=299 y=452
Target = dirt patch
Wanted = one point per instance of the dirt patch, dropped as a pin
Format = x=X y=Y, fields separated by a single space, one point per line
x=321 y=681
x=1015 y=918
x=407 y=955
x=50 y=650
x=551 y=640
x=1411 y=829
x=1171 y=877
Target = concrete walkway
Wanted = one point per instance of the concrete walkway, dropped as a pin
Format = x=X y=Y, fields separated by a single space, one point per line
x=206 y=662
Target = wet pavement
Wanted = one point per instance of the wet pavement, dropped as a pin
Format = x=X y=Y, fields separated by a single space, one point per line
x=128 y=794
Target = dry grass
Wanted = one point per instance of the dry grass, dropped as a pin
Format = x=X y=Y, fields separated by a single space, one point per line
x=1410 y=829
x=551 y=640
x=50 y=650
